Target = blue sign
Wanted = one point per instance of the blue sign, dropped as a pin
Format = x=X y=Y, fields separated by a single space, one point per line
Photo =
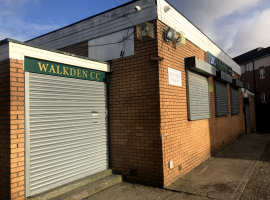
x=213 y=60
x=221 y=66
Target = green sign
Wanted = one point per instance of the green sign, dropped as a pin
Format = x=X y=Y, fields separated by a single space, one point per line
x=221 y=66
x=57 y=69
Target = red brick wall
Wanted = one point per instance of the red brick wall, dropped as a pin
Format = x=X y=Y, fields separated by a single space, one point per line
x=148 y=118
x=12 y=129
x=262 y=85
x=134 y=115
x=80 y=49
x=247 y=78
x=188 y=143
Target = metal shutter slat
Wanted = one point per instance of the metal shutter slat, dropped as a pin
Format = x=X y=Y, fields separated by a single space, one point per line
x=61 y=180
x=199 y=102
x=63 y=148
x=67 y=131
x=234 y=101
x=58 y=156
x=221 y=99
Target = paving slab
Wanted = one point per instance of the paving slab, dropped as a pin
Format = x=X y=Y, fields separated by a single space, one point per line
x=225 y=175
x=258 y=186
x=129 y=191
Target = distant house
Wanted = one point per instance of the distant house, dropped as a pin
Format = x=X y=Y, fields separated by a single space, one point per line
x=255 y=72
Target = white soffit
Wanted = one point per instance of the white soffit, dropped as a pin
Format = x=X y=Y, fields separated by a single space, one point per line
x=19 y=51
x=175 y=20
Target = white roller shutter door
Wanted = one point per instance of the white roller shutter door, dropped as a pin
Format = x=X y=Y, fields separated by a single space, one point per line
x=199 y=100
x=67 y=131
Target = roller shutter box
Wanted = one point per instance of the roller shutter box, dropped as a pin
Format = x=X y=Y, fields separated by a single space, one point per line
x=67 y=131
x=198 y=94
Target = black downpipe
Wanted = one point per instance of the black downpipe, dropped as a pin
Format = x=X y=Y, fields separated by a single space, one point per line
x=255 y=94
x=108 y=123
x=255 y=90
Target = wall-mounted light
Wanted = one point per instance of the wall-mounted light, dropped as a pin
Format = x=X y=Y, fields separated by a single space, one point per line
x=145 y=31
x=170 y=35
x=178 y=39
x=167 y=8
x=138 y=8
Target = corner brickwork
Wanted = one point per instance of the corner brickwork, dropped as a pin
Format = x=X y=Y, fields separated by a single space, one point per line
x=188 y=143
x=12 y=129
x=135 y=140
x=148 y=118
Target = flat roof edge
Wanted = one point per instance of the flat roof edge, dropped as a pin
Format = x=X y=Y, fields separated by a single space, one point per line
x=119 y=6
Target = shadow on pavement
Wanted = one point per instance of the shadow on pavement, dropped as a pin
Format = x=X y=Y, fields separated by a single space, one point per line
x=225 y=175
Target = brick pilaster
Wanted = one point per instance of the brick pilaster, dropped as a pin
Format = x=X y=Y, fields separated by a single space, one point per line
x=17 y=129
x=12 y=129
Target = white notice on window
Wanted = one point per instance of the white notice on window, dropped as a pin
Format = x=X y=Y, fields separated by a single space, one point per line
x=174 y=77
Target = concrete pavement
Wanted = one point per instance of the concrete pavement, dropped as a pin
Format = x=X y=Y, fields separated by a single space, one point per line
x=223 y=176
x=258 y=186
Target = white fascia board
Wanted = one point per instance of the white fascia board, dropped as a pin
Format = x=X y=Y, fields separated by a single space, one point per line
x=175 y=20
x=4 y=52
x=18 y=52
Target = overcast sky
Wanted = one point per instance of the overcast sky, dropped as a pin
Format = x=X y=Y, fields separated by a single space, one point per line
x=236 y=26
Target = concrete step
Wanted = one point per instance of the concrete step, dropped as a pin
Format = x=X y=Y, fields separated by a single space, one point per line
x=74 y=185
x=91 y=188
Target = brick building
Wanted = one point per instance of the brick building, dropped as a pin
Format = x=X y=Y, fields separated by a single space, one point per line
x=255 y=72
x=166 y=99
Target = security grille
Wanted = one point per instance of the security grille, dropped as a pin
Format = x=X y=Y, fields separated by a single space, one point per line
x=66 y=133
x=198 y=94
x=221 y=97
x=234 y=101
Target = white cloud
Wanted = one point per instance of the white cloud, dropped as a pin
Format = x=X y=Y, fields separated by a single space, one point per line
x=205 y=12
x=252 y=33
x=236 y=26
x=13 y=25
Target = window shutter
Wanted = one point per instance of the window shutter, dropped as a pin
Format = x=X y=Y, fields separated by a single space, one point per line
x=221 y=98
x=199 y=101
x=234 y=101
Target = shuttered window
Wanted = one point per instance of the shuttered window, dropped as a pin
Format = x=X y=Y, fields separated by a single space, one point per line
x=66 y=131
x=221 y=98
x=198 y=96
x=235 y=101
